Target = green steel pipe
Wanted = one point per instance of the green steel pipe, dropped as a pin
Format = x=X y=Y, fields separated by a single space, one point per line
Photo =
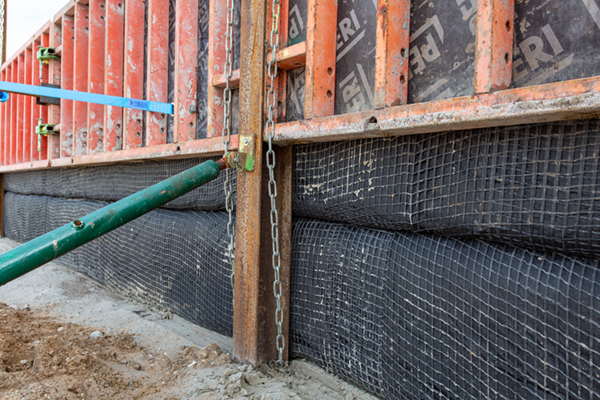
x=50 y=246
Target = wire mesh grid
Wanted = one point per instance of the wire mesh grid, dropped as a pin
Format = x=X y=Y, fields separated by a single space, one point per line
x=114 y=182
x=411 y=316
x=536 y=186
x=173 y=260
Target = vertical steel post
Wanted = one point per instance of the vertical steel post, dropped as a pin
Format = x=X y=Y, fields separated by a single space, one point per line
x=157 y=82
x=113 y=74
x=254 y=327
x=494 y=45
x=96 y=65
x=186 y=71
x=321 y=46
x=134 y=71
x=393 y=43
x=66 y=106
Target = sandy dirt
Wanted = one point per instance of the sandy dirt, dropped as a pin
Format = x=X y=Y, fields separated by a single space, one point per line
x=63 y=336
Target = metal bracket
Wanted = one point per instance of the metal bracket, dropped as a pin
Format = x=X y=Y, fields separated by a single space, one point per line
x=240 y=161
x=45 y=100
x=247 y=147
x=45 y=130
x=44 y=55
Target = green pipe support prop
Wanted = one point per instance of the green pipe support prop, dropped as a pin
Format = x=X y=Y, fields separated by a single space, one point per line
x=50 y=246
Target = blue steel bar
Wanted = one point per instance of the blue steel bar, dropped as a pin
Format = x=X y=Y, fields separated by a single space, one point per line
x=39 y=91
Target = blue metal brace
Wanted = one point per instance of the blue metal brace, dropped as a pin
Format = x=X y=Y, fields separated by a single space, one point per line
x=39 y=91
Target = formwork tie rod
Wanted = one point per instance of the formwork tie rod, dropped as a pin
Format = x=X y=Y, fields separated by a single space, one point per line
x=50 y=246
x=42 y=91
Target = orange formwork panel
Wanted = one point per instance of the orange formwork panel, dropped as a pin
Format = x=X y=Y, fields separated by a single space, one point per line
x=80 y=79
x=134 y=71
x=96 y=61
x=66 y=106
x=27 y=109
x=157 y=81
x=393 y=42
x=54 y=78
x=186 y=70
x=494 y=46
x=113 y=74
x=321 y=46
x=20 y=129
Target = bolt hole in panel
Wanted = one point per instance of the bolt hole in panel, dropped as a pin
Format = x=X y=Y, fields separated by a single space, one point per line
x=555 y=41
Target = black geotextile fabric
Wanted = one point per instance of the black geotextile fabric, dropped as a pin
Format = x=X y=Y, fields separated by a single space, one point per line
x=175 y=260
x=114 y=182
x=534 y=186
x=413 y=316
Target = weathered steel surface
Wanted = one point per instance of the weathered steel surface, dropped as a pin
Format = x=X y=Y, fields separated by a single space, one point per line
x=133 y=77
x=555 y=40
x=186 y=70
x=493 y=54
x=27 y=132
x=113 y=74
x=442 y=49
x=247 y=315
x=50 y=246
x=320 y=59
x=96 y=61
x=20 y=128
x=80 y=79
x=54 y=78
x=66 y=106
x=393 y=42
x=157 y=82
x=552 y=102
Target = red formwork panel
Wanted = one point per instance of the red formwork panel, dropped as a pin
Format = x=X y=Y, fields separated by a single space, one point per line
x=27 y=109
x=80 y=78
x=3 y=124
x=186 y=70
x=122 y=48
x=97 y=36
x=113 y=73
x=66 y=106
x=55 y=79
x=36 y=110
x=134 y=71
x=157 y=81
x=20 y=128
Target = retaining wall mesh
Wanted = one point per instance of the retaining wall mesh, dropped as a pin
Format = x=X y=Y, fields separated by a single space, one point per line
x=175 y=260
x=114 y=182
x=535 y=186
x=412 y=316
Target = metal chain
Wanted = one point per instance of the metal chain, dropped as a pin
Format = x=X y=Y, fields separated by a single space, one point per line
x=2 y=22
x=271 y=104
x=226 y=136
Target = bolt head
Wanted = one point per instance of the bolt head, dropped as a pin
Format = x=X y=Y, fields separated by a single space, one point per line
x=192 y=109
x=246 y=141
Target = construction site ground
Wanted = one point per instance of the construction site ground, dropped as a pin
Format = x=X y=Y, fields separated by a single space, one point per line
x=64 y=336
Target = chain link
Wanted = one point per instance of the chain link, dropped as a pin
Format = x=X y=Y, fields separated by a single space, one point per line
x=271 y=104
x=2 y=22
x=226 y=136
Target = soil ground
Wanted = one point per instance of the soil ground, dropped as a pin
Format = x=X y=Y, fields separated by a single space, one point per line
x=63 y=336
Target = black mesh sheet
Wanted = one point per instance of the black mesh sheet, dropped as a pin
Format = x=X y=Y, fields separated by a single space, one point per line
x=114 y=182
x=413 y=316
x=173 y=260
x=535 y=186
